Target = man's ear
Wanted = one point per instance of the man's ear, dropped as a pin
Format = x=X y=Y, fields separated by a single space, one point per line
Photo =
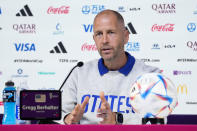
x=93 y=37
x=126 y=36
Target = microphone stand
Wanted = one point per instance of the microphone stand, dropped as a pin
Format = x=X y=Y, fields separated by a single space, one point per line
x=79 y=64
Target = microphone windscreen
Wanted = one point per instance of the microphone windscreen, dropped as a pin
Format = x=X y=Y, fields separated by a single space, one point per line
x=80 y=64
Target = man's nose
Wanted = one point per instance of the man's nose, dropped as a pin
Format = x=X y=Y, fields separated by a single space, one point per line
x=105 y=38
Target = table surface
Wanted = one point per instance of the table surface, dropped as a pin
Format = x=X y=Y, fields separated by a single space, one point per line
x=53 y=127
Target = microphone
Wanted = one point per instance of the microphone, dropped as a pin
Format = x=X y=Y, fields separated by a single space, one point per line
x=79 y=64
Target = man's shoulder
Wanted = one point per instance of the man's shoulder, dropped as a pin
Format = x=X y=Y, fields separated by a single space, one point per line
x=89 y=69
x=145 y=67
x=89 y=65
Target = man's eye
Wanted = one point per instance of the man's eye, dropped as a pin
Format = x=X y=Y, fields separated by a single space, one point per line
x=111 y=32
x=98 y=34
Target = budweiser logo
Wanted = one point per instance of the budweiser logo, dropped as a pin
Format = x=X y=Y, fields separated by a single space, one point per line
x=60 y=10
x=87 y=47
x=166 y=27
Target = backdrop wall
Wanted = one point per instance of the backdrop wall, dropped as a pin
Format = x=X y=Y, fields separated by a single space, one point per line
x=42 y=40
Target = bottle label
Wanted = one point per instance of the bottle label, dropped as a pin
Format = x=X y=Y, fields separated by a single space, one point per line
x=9 y=96
x=17 y=112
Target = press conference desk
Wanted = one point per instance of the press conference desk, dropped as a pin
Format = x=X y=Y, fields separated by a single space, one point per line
x=98 y=127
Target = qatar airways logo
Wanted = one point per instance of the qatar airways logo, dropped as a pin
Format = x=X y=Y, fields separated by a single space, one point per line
x=59 y=10
x=88 y=47
x=192 y=45
x=25 y=28
x=163 y=28
x=164 y=8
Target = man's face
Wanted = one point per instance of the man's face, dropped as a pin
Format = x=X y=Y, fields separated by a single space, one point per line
x=109 y=36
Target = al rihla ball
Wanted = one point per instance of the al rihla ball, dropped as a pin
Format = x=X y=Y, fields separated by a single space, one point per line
x=153 y=95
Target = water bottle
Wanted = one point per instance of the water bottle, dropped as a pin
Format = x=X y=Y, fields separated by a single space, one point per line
x=9 y=101
x=22 y=86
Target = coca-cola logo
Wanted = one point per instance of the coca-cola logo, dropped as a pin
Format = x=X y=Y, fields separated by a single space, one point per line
x=163 y=28
x=86 y=47
x=164 y=8
x=60 y=10
x=1 y=104
x=192 y=45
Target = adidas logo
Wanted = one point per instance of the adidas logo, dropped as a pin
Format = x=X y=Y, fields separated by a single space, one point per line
x=132 y=29
x=25 y=12
x=59 y=47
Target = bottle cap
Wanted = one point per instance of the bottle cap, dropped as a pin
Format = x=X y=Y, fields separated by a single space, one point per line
x=9 y=83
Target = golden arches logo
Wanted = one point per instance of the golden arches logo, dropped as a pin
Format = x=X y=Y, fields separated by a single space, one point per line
x=182 y=88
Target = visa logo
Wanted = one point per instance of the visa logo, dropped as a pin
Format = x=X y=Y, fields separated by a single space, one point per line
x=25 y=47
x=88 y=28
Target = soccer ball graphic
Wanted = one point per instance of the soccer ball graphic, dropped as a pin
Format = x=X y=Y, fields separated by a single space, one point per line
x=153 y=96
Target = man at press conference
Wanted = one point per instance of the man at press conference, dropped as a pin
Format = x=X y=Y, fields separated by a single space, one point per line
x=98 y=92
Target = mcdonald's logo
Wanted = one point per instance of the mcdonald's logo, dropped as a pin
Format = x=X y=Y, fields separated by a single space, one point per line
x=182 y=88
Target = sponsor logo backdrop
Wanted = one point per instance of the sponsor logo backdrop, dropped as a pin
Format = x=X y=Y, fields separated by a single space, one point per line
x=42 y=40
